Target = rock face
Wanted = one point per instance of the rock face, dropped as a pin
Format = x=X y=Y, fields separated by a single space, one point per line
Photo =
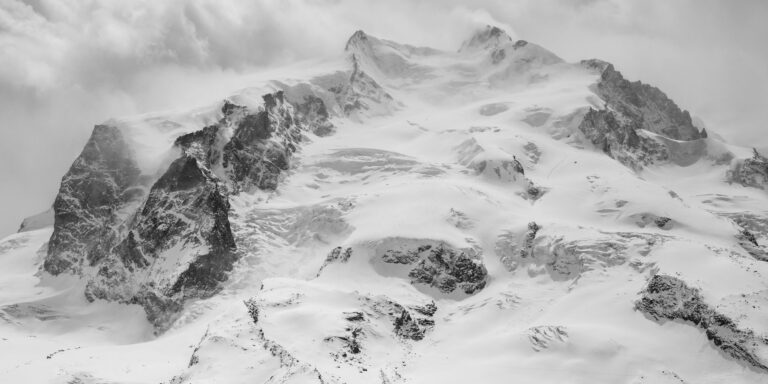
x=441 y=266
x=669 y=298
x=752 y=172
x=642 y=103
x=362 y=93
x=620 y=140
x=414 y=325
x=630 y=108
x=748 y=241
x=174 y=243
x=100 y=183
x=184 y=223
x=261 y=145
x=313 y=112
x=337 y=255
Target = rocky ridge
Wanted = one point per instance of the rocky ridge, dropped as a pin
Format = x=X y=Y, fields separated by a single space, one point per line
x=669 y=298
x=751 y=172
x=630 y=110
x=222 y=210
x=177 y=241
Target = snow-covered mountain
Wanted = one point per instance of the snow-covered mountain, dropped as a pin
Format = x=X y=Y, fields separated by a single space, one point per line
x=400 y=215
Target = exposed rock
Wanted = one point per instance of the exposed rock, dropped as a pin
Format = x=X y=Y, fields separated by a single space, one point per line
x=355 y=316
x=644 y=219
x=184 y=224
x=415 y=323
x=530 y=236
x=438 y=265
x=632 y=108
x=201 y=144
x=620 y=140
x=663 y=222
x=262 y=144
x=313 y=112
x=747 y=235
x=669 y=298
x=408 y=327
x=337 y=255
x=752 y=172
x=102 y=181
x=350 y=341
x=753 y=232
x=253 y=309
x=363 y=94
x=175 y=243
x=748 y=241
x=646 y=105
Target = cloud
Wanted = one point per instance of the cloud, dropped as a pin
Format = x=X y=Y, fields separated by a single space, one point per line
x=68 y=64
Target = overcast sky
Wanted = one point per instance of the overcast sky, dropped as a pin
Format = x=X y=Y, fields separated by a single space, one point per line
x=66 y=65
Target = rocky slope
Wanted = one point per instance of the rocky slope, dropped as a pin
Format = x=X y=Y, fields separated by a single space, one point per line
x=630 y=111
x=400 y=215
x=752 y=172
x=670 y=298
x=161 y=247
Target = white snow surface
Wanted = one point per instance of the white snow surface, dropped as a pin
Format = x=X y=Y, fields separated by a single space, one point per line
x=403 y=177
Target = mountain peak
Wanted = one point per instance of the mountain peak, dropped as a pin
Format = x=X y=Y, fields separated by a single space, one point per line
x=359 y=38
x=490 y=36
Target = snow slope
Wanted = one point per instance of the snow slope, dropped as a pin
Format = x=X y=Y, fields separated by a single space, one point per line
x=435 y=167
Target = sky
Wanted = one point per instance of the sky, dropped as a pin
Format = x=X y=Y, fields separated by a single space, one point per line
x=68 y=65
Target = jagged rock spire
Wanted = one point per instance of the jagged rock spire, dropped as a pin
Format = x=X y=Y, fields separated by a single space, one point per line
x=357 y=39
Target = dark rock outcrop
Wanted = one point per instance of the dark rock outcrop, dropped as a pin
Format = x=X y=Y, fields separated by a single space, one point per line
x=414 y=323
x=337 y=255
x=619 y=139
x=442 y=267
x=100 y=183
x=752 y=172
x=642 y=103
x=174 y=243
x=185 y=218
x=313 y=112
x=748 y=241
x=362 y=93
x=262 y=144
x=630 y=108
x=201 y=144
x=663 y=222
x=669 y=298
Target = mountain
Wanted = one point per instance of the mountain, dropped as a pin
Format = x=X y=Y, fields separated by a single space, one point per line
x=400 y=214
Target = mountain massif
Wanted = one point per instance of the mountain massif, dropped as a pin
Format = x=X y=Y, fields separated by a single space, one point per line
x=400 y=215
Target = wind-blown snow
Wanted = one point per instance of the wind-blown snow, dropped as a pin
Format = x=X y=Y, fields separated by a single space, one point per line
x=564 y=315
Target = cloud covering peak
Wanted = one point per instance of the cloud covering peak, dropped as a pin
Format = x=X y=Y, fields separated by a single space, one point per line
x=68 y=65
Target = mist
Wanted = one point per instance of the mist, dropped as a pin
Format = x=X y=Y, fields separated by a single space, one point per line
x=68 y=65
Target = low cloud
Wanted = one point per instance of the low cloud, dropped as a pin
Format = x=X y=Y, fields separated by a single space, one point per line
x=68 y=65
